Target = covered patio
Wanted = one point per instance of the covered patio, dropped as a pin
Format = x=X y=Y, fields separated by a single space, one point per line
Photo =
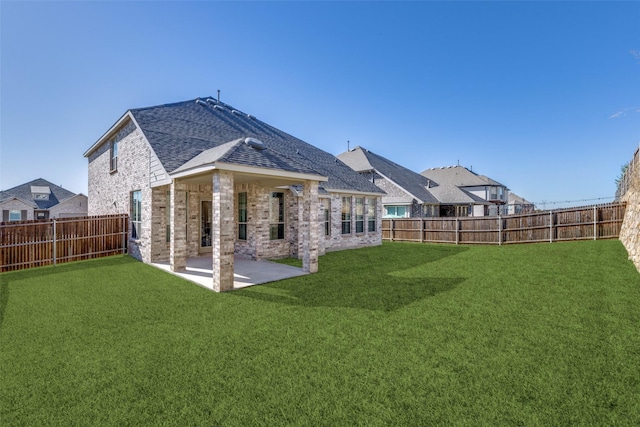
x=245 y=272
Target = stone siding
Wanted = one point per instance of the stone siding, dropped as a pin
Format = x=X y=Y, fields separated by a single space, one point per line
x=110 y=192
x=630 y=231
x=337 y=240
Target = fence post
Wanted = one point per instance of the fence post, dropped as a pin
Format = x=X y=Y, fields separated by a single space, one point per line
x=550 y=226
x=457 y=230
x=595 y=223
x=124 y=234
x=55 y=247
x=392 y=227
x=421 y=230
x=499 y=230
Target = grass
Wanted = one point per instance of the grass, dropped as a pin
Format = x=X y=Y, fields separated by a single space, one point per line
x=403 y=334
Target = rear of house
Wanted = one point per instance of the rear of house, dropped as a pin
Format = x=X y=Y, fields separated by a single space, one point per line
x=201 y=177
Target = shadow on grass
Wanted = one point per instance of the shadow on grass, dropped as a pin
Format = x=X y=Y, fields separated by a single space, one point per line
x=386 y=294
x=383 y=278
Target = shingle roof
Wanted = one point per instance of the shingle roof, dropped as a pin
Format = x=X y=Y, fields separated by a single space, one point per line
x=459 y=176
x=181 y=131
x=24 y=192
x=361 y=160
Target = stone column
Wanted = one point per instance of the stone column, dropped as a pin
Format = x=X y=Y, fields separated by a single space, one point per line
x=178 y=255
x=309 y=227
x=223 y=231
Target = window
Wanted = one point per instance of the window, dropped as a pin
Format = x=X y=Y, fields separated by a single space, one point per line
x=396 y=211
x=168 y=239
x=346 y=215
x=359 y=214
x=15 y=216
x=371 y=214
x=327 y=222
x=242 y=216
x=136 y=214
x=114 y=155
x=276 y=216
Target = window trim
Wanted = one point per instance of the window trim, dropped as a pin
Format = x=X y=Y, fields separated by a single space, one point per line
x=359 y=215
x=242 y=225
x=346 y=216
x=281 y=217
x=136 y=214
x=113 y=155
x=372 y=215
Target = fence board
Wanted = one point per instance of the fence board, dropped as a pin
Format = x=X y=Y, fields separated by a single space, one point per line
x=28 y=244
x=588 y=222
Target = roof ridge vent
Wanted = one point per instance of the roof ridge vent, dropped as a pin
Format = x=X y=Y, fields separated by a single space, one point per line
x=211 y=100
x=200 y=101
x=255 y=143
x=219 y=107
x=236 y=112
x=250 y=116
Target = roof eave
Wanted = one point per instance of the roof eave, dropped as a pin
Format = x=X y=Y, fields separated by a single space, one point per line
x=109 y=133
x=233 y=167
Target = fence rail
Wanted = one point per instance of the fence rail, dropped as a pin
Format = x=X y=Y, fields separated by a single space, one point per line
x=27 y=244
x=589 y=222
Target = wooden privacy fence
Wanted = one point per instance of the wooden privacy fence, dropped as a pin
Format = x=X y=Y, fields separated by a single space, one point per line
x=590 y=222
x=28 y=244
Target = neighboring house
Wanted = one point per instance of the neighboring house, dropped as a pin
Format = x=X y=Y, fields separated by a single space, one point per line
x=201 y=177
x=40 y=199
x=484 y=188
x=518 y=205
x=409 y=194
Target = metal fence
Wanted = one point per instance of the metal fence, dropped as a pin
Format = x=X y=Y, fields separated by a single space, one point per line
x=589 y=222
x=27 y=244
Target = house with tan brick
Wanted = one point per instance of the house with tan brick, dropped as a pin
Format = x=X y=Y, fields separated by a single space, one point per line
x=410 y=194
x=202 y=177
x=40 y=199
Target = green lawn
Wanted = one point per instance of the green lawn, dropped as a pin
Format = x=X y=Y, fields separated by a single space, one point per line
x=403 y=334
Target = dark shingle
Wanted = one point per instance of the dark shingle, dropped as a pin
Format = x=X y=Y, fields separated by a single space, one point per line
x=179 y=132
x=23 y=191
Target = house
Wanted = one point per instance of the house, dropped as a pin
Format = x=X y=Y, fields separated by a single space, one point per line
x=409 y=194
x=517 y=205
x=202 y=177
x=493 y=194
x=40 y=199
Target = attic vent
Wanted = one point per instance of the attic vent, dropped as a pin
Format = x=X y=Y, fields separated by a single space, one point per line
x=255 y=143
x=236 y=112
x=250 y=116
x=200 y=101
x=219 y=107
x=211 y=100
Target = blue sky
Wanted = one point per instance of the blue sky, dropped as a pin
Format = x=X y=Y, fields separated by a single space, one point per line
x=541 y=96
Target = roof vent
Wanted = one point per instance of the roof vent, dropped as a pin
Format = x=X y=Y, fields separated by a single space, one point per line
x=255 y=143
x=211 y=100
x=200 y=101
x=250 y=116
x=236 y=112
x=219 y=107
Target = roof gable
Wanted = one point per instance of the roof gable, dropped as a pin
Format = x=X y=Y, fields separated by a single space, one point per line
x=25 y=192
x=415 y=184
x=459 y=176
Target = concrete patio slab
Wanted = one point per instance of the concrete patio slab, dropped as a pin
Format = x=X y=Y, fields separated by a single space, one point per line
x=246 y=272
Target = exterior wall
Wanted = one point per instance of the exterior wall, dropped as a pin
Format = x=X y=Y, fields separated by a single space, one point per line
x=337 y=240
x=110 y=192
x=630 y=231
x=72 y=207
x=396 y=196
x=16 y=205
